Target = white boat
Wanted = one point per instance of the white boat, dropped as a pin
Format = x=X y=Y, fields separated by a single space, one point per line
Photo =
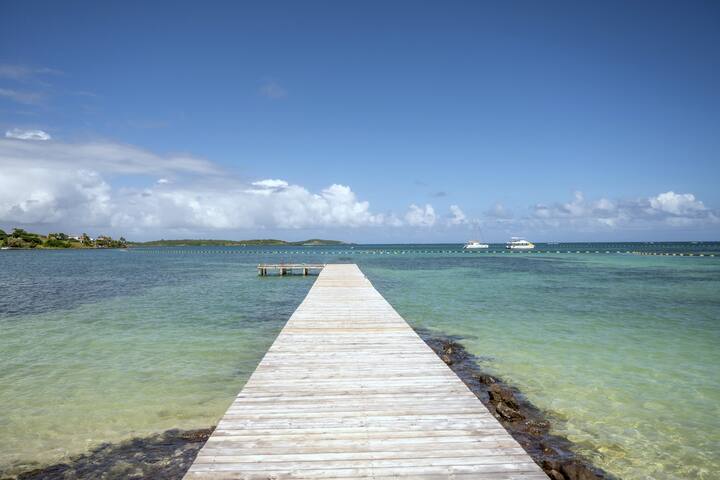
x=519 y=244
x=474 y=245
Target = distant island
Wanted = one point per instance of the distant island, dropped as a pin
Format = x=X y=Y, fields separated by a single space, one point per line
x=234 y=243
x=20 y=238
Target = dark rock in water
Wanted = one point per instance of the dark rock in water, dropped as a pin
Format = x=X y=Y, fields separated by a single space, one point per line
x=486 y=379
x=164 y=456
x=523 y=420
x=200 y=435
x=500 y=394
x=571 y=470
x=538 y=428
x=548 y=450
x=555 y=475
x=451 y=351
x=49 y=473
x=577 y=471
x=508 y=413
x=450 y=347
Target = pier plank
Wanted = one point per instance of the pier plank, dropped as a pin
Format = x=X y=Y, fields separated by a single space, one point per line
x=349 y=390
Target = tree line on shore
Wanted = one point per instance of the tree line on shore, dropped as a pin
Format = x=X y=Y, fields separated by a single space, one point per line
x=20 y=238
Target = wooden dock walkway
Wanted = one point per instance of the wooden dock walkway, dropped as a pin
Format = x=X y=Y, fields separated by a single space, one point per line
x=349 y=390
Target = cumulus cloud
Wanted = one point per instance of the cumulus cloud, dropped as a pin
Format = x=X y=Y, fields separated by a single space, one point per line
x=53 y=183
x=46 y=196
x=271 y=183
x=677 y=203
x=273 y=90
x=232 y=207
x=112 y=186
x=27 y=134
x=668 y=208
x=499 y=212
x=458 y=217
x=76 y=185
x=420 y=217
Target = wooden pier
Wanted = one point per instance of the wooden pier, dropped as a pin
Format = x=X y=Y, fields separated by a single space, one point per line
x=290 y=269
x=349 y=390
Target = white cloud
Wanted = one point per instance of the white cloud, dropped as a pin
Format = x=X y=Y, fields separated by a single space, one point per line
x=677 y=203
x=52 y=183
x=232 y=207
x=80 y=186
x=458 y=216
x=420 y=217
x=27 y=134
x=669 y=209
x=270 y=183
x=499 y=212
x=37 y=196
x=104 y=157
x=273 y=90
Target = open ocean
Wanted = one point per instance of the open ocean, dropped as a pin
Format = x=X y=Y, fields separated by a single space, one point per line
x=621 y=350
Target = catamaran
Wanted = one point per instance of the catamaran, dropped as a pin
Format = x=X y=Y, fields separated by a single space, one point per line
x=474 y=245
x=519 y=244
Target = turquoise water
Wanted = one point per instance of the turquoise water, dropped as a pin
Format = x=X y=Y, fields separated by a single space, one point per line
x=620 y=349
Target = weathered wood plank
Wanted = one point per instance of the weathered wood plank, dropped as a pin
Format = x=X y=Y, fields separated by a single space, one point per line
x=349 y=390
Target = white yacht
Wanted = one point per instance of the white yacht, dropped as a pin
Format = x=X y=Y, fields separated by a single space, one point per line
x=519 y=244
x=474 y=245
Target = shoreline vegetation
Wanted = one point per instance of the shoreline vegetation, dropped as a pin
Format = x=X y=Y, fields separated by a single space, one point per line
x=168 y=455
x=22 y=239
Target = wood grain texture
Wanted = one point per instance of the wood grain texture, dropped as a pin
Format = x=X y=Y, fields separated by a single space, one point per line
x=349 y=390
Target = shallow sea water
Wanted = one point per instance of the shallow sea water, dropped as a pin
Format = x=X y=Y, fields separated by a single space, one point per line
x=621 y=350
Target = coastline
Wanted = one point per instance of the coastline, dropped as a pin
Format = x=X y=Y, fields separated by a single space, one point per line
x=168 y=455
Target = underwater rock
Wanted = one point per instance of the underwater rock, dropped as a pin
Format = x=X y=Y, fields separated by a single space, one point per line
x=500 y=394
x=163 y=456
x=570 y=470
x=555 y=475
x=508 y=413
x=524 y=421
x=486 y=379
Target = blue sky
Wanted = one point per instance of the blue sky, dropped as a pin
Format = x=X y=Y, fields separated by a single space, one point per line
x=435 y=121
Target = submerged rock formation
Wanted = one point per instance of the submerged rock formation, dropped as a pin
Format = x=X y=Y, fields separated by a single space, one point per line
x=525 y=422
x=163 y=456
